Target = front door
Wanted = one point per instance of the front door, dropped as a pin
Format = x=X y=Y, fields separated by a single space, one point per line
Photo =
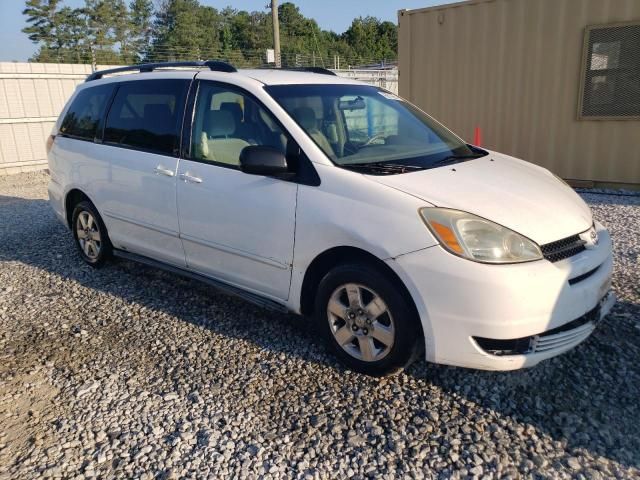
x=235 y=227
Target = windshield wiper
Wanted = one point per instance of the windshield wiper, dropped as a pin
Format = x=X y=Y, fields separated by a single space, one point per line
x=379 y=167
x=457 y=158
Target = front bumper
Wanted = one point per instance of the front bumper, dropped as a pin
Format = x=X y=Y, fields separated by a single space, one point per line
x=460 y=301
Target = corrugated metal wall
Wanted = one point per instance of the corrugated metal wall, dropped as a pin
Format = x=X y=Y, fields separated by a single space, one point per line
x=31 y=97
x=513 y=68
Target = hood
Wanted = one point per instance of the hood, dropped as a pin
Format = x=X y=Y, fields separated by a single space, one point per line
x=513 y=193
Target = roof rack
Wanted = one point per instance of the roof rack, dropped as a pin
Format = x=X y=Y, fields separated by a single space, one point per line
x=319 y=70
x=214 y=65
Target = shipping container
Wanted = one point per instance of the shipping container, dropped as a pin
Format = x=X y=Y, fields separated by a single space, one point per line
x=554 y=82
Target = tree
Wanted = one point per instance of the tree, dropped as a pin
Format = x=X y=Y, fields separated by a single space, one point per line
x=177 y=31
x=300 y=35
x=71 y=35
x=101 y=21
x=122 y=30
x=372 y=39
x=362 y=36
x=252 y=31
x=388 y=40
x=141 y=26
x=112 y=32
x=41 y=21
x=208 y=32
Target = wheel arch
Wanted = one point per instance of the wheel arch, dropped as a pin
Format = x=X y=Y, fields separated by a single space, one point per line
x=335 y=256
x=72 y=198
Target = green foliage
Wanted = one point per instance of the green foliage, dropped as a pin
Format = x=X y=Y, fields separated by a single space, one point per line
x=41 y=21
x=71 y=33
x=372 y=38
x=177 y=34
x=110 y=31
x=141 y=27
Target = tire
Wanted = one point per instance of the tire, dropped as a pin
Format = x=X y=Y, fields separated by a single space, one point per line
x=90 y=235
x=373 y=343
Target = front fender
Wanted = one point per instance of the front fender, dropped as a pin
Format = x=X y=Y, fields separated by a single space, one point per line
x=350 y=210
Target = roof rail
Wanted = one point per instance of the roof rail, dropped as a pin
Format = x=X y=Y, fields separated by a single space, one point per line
x=319 y=70
x=214 y=65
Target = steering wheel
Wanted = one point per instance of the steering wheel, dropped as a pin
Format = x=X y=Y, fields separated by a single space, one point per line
x=377 y=136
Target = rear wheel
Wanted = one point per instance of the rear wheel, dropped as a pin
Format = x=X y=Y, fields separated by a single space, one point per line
x=366 y=320
x=90 y=234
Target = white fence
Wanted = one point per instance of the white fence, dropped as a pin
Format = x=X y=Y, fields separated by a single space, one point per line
x=32 y=95
x=387 y=79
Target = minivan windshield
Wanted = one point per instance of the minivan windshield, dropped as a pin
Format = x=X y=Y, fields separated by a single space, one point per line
x=363 y=127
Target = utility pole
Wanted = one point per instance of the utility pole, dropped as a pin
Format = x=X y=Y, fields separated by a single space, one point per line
x=276 y=32
x=94 y=67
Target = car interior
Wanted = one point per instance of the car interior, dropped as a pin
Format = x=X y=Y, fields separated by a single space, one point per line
x=226 y=122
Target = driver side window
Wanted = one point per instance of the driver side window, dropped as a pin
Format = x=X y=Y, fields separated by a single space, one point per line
x=226 y=121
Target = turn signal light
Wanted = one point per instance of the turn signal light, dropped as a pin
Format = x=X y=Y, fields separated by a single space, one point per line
x=448 y=236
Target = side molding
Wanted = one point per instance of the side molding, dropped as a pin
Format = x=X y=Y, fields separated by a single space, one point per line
x=222 y=286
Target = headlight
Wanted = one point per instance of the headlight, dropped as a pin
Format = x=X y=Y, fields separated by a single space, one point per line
x=477 y=239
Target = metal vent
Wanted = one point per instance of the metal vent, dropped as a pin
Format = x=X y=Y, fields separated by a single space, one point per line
x=611 y=72
x=561 y=249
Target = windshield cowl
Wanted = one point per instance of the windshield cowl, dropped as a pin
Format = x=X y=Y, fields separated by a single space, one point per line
x=381 y=168
x=412 y=165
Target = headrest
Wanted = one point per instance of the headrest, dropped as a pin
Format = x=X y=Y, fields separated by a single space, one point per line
x=157 y=111
x=306 y=117
x=234 y=108
x=219 y=123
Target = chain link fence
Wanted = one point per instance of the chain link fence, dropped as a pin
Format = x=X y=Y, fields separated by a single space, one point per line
x=239 y=58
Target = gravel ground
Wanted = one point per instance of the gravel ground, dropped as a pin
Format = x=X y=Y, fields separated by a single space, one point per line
x=129 y=372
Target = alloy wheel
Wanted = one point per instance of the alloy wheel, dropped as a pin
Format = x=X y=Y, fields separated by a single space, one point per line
x=88 y=234
x=361 y=322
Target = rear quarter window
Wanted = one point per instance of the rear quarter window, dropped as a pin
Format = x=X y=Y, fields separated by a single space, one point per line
x=147 y=115
x=85 y=112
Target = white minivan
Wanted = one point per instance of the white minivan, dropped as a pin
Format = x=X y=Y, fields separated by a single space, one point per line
x=309 y=193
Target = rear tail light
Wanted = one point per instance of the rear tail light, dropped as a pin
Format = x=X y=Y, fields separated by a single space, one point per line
x=50 y=140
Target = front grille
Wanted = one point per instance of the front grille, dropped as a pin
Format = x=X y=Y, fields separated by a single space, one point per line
x=557 y=338
x=561 y=249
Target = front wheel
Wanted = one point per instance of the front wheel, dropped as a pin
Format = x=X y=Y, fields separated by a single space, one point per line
x=366 y=320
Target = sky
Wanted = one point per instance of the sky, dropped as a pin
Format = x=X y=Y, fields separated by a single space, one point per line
x=333 y=15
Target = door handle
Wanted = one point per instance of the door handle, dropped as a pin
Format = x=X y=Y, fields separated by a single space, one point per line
x=161 y=170
x=187 y=177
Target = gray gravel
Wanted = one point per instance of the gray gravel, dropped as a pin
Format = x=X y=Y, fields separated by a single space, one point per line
x=129 y=372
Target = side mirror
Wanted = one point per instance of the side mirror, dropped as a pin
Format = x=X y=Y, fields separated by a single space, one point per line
x=263 y=160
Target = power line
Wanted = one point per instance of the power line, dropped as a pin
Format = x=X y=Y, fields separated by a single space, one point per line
x=83 y=54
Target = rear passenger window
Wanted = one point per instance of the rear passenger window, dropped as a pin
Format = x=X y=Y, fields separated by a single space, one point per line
x=147 y=115
x=86 y=111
